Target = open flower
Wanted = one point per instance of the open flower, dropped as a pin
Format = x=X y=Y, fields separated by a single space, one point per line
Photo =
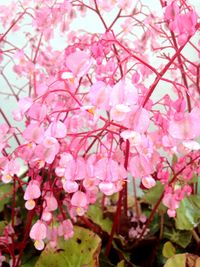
x=38 y=233
x=32 y=192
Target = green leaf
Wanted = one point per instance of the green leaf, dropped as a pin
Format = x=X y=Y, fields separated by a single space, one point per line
x=181 y=238
x=183 y=260
x=121 y=264
x=5 y=197
x=81 y=250
x=30 y=263
x=153 y=194
x=188 y=213
x=2 y=226
x=95 y=214
x=168 y=250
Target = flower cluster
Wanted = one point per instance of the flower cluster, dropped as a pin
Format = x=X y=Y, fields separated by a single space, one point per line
x=91 y=125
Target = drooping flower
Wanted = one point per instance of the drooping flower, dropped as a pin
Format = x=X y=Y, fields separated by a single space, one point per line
x=32 y=192
x=38 y=233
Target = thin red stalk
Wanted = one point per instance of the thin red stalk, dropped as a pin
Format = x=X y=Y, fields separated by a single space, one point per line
x=9 y=85
x=121 y=200
x=198 y=78
x=115 y=223
x=12 y=25
x=182 y=72
x=165 y=69
x=125 y=187
x=8 y=123
x=26 y=235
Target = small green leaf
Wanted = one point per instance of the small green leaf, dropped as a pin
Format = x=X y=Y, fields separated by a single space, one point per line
x=95 y=214
x=30 y=263
x=168 y=250
x=176 y=261
x=5 y=197
x=121 y=264
x=183 y=260
x=82 y=250
x=188 y=213
x=2 y=226
x=181 y=238
x=153 y=194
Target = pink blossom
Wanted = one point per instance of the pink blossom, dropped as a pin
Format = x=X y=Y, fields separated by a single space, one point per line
x=57 y=129
x=186 y=128
x=140 y=166
x=47 y=150
x=23 y=104
x=79 y=200
x=34 y=133
x=66 y=229
x=148 y=181
x=50 y=204
x=32 y=192
x=172 y=11
x=38 y=233
x=37 y=111
x=10 y=168
x=79 y=63
x=99 y=95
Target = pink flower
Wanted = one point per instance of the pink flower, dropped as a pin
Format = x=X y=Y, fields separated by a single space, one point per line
x=57 y=129
x=172 y=11
x=111 y=175
x=119 y=112
x=79 y=200
x=34 y=133
x=38 y=233
x=37 y=111
x=79 y=63
x=50 y=204
x=186 y=128
x=24 y=104
x=123 y=92
x=32 y=192
x=47 y=150
x=140 y=166
x=10 y=168
x=66 y=229
x=148 y=181
x=99 y=95
x=169 y=200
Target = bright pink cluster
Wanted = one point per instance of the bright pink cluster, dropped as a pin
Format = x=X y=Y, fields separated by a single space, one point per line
x=91 y=125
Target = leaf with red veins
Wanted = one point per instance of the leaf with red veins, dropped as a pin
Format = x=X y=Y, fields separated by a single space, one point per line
x=79 y=63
